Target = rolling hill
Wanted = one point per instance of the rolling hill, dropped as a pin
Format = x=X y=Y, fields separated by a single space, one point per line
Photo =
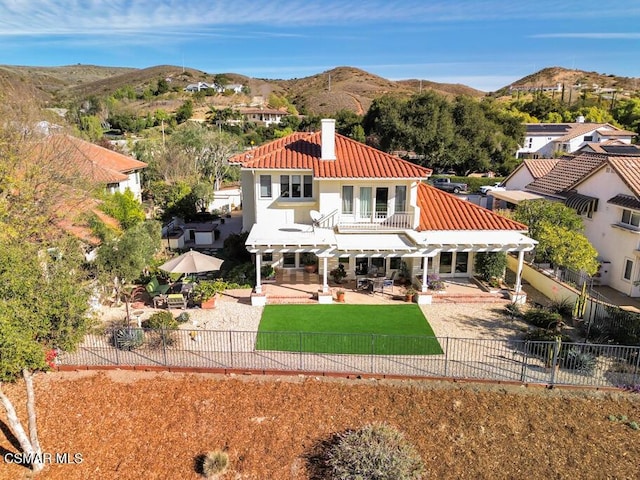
x=321 y=94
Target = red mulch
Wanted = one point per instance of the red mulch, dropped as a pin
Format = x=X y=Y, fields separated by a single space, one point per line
x=132 y=425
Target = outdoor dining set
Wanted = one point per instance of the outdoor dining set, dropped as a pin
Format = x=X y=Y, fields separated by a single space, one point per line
x=179 y=294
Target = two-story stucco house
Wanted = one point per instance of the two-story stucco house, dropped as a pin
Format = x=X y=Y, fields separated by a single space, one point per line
x=96 y=164
x=349 y=204
x=544 y=140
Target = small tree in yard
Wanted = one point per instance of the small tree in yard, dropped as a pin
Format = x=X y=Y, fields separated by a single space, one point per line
x=491 y=265
x=44 y=300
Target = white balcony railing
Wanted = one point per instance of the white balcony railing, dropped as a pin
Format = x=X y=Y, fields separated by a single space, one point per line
x=375 y=222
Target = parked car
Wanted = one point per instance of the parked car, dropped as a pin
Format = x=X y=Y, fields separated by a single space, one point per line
x=484 y=189
x=448 y=186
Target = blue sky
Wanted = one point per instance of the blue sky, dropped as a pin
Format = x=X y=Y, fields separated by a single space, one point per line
x=483 y=44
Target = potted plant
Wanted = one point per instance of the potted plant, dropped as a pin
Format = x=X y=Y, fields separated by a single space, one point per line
x=310 y=262
x=268 y=273
x=206 y=292
x=409 y=294
x=340 y=296
x=338 y=273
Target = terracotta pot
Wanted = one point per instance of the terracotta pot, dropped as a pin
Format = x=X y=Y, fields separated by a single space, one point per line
x=209 y=304
x=340 y=297
x=408 y=298
x=311 y=268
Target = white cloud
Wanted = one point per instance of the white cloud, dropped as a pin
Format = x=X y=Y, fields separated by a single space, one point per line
x=591 y=35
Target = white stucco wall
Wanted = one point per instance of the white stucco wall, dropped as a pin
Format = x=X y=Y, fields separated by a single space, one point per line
x=520 y=179
x=613 y=244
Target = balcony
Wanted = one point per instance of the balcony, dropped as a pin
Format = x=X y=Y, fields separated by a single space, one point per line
x=378 y=221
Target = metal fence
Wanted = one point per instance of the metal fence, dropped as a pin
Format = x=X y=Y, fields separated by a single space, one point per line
x=541 y=362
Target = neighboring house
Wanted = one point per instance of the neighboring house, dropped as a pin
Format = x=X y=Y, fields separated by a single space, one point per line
x=196 y=87
x=96 y=164
x=527 y=172
x=265 y=116
x=544 y=140
x=605 y=190
x=235 y=87
x=613 y=147
x=349 y=204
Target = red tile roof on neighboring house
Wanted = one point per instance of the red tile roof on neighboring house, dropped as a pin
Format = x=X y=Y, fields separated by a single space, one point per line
x=577 y=129
x=566 y=173
x=628 y=168
x=353 y=159
x=540 y=166
x=95 y=163
x=615 y=132
x=443 y=211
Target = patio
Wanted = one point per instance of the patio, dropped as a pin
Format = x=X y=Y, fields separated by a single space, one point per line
x=295 y=286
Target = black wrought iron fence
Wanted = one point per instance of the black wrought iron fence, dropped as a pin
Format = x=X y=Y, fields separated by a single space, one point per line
x=541 y=362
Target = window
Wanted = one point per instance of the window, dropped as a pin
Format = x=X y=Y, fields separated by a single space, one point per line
x=307 y=190
x=296 y=186
x=365 y=201
x=265 y=186
x=401 y=199
x=631 y=218
x=347 y=199
x=267 y=257
x=628 y=268
x=284 y=186
x=588 y=138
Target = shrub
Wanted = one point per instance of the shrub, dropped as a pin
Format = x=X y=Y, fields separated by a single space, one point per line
x=128 y=338
x=541 y=318
x=581 y=361
x=563 y=307
x=435 y=283
x=183 y=317
x=491 y=265
x=161 y=320
x=513 y=310
x=214 y=463
x=376 y=451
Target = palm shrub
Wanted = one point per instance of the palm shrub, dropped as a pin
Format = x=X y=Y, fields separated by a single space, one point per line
x=127 y=338
x=375 y=451
x=563 y=307
x=214 y=463
x=579 y=360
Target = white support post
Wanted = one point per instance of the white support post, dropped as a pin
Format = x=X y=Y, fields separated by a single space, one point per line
x=425 y=275
x=518 y=285
x=258 y=268
x=325 y=283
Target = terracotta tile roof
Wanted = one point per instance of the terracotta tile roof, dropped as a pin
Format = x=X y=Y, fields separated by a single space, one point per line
x=628 y=168
x=615 y=132
x=540 y=166
x=95 y=163
x=442 y=211
x=353 y=159
x=578 y=129
x=566 y=173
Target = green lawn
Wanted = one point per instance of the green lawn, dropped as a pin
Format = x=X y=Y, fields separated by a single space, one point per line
x=349 y=329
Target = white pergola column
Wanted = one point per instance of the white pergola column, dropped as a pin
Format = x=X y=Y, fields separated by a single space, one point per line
x=518 y=285
x=258 y=268
x=425 y=286
x=325 y=283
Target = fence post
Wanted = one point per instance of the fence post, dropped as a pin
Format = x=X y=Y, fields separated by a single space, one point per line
x=373 y=339
x=446 y=357
x=525 y=361
x=164 y=345
x=554 y=361
x=300 y=351
x=637 y=365
x=115 y=344
x=231 y=348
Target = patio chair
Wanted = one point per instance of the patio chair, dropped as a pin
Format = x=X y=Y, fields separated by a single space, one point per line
x=176 y=300
x=155 y=288
x=388 y=282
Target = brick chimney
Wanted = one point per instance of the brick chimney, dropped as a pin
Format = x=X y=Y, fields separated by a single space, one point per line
x=328 y=138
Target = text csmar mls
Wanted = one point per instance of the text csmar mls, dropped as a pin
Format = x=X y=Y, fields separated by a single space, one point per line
x=45 y=457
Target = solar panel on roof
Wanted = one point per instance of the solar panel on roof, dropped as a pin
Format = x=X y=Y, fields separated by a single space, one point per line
x=547 y=128
x=621 y=149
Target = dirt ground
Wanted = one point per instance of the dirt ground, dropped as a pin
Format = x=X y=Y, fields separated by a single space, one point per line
x=131 y=425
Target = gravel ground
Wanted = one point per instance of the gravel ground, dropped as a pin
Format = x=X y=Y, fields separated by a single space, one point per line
x=234 y=312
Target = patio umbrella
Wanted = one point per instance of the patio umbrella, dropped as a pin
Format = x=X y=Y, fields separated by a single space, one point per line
x=192 y=262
